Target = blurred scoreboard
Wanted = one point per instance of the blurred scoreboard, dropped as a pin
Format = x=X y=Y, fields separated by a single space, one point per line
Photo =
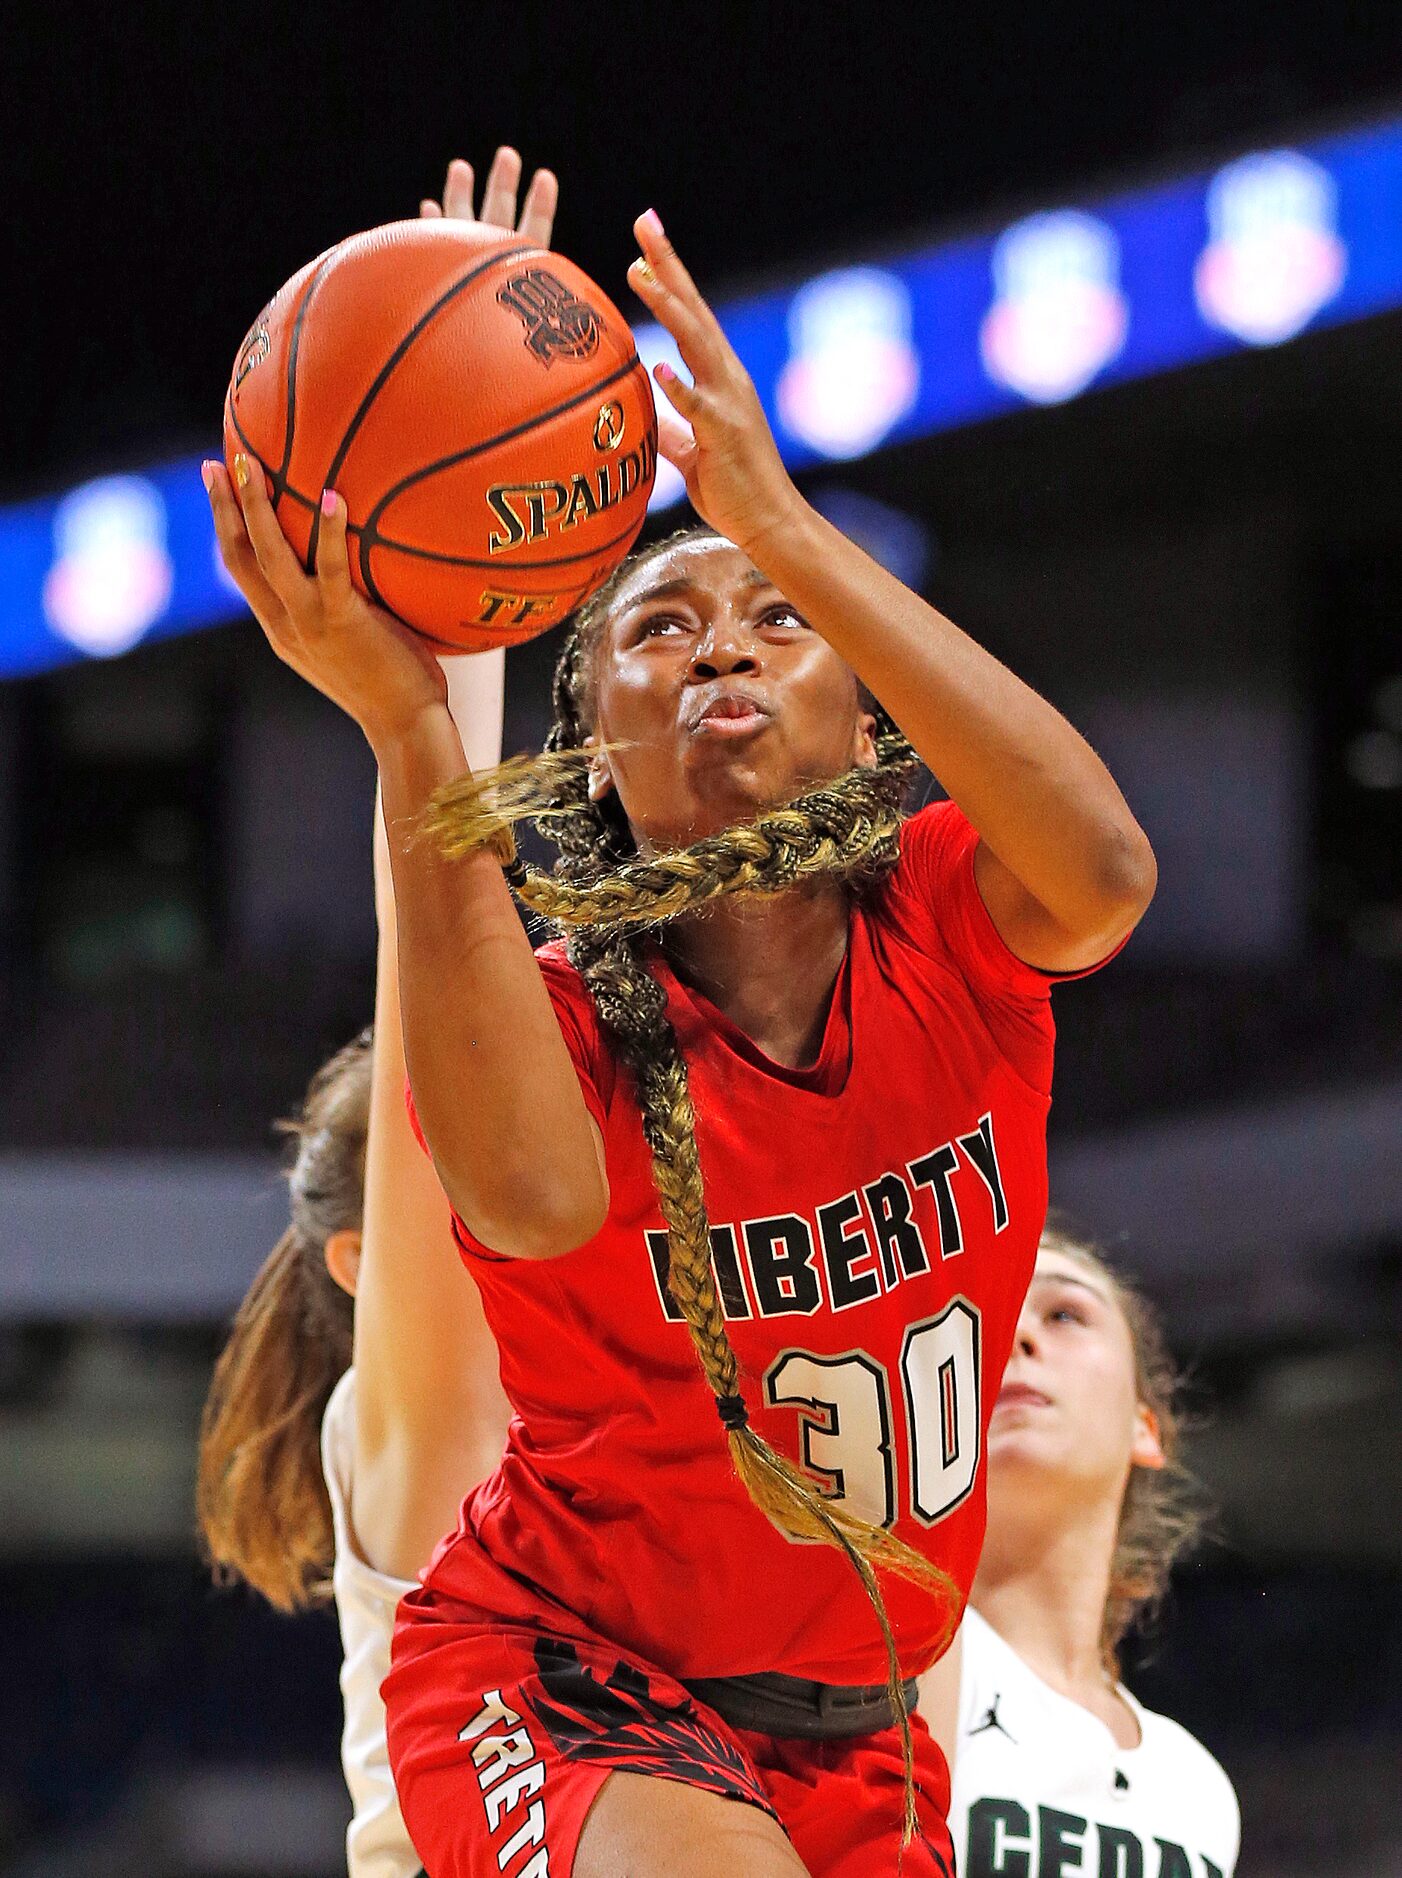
x=1041 y=311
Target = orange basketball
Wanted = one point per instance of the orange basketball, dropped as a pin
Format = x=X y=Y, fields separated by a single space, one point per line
x=480 y=406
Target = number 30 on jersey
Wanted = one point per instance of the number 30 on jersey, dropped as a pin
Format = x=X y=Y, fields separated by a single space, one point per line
x=846 y=1427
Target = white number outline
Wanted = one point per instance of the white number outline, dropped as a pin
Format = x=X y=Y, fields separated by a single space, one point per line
x=816 y=1414
x=975 y=1348
x=821 y=1415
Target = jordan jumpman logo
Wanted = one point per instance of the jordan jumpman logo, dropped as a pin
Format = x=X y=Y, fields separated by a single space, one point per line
x=991 y=1720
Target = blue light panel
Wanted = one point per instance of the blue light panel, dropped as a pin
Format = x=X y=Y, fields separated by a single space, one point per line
x=1042 y=310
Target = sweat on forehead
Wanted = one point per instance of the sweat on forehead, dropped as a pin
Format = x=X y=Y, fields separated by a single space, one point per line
x=675 y=565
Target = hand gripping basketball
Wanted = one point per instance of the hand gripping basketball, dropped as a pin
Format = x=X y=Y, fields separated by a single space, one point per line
x=378 y=671
x=320 y=626
x=476 y=401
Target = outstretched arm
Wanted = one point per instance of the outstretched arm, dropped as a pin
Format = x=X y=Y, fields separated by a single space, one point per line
x=515 y=1147
x=430 y=1411
x=1063 y=867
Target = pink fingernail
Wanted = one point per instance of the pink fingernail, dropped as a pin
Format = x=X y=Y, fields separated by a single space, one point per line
x=207 y=476
x=663 y=371
x=328 y=501
x=653 y=222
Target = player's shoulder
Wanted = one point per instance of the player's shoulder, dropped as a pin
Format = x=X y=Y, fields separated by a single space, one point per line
x=937 y=833
x=554 y=960
x=934 y=840
x=1185 y=1763
x=565 y=984
x=989 y=1668
x=353 y=1576
x=580 y=1025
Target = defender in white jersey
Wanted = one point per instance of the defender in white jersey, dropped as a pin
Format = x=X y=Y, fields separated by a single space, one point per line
x=377 y=1841
x=1056 y=1767
x=1042 y=1786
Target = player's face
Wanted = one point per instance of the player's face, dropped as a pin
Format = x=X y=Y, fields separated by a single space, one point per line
x=718 y=698
x=1068 y=1414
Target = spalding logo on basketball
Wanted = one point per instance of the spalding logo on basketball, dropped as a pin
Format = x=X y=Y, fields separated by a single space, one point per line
x=478 y=403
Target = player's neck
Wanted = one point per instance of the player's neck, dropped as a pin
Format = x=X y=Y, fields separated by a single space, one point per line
x=768 y=965
x=1042 y=1585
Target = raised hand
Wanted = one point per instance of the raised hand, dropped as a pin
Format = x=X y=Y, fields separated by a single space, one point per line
x=360 y=657
x=724 y=449
x=537 y=221
x=356 y=654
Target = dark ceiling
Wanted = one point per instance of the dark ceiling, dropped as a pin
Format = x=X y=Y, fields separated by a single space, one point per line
x=170 y=165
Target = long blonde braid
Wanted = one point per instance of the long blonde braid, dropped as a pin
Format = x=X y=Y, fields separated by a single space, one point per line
x=845 y=831
x=602 y=893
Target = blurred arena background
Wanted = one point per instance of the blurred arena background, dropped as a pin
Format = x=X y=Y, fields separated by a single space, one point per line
x=1086 y=320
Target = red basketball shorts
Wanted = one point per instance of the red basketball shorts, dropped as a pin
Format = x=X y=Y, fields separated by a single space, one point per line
x=505 y=1722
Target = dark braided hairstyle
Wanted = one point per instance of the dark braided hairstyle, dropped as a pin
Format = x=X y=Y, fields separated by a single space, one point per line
x=603 y=894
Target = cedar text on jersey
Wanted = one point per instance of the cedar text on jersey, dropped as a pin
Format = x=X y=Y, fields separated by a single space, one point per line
x=1006 y=1842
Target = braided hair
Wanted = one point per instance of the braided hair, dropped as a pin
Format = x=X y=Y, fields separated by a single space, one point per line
x=604 y=895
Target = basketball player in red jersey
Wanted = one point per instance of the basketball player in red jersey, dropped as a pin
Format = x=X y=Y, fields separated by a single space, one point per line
x=618 y=1663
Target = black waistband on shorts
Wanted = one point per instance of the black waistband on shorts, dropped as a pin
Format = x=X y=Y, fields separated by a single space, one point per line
x=792 y=1707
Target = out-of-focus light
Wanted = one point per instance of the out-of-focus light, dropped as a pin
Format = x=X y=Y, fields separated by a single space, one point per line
x=1144 y=282
x=853 y=372
x=1058 y=316
x=1274 y=256
x=111 y=576
x=1374 y=760
x=900 y=542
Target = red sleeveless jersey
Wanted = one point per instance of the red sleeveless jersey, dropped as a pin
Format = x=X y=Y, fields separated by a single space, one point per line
x=874 y=1223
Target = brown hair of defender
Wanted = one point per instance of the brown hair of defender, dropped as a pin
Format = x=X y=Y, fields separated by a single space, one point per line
x=260 y=1497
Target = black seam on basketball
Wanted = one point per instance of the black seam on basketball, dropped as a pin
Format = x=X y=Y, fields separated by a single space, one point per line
x=491 y=443
x=293 y=352
x=250 y=448
x=382 y=377
x=280 y=485
x=371 y=541
x=305 y=502
x=368 y=538
x=278 y=476
x=372 y=586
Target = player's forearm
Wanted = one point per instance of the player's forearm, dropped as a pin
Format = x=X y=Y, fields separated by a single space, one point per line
x=496 y=1091
x=476 y=685
x=1037 y=793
